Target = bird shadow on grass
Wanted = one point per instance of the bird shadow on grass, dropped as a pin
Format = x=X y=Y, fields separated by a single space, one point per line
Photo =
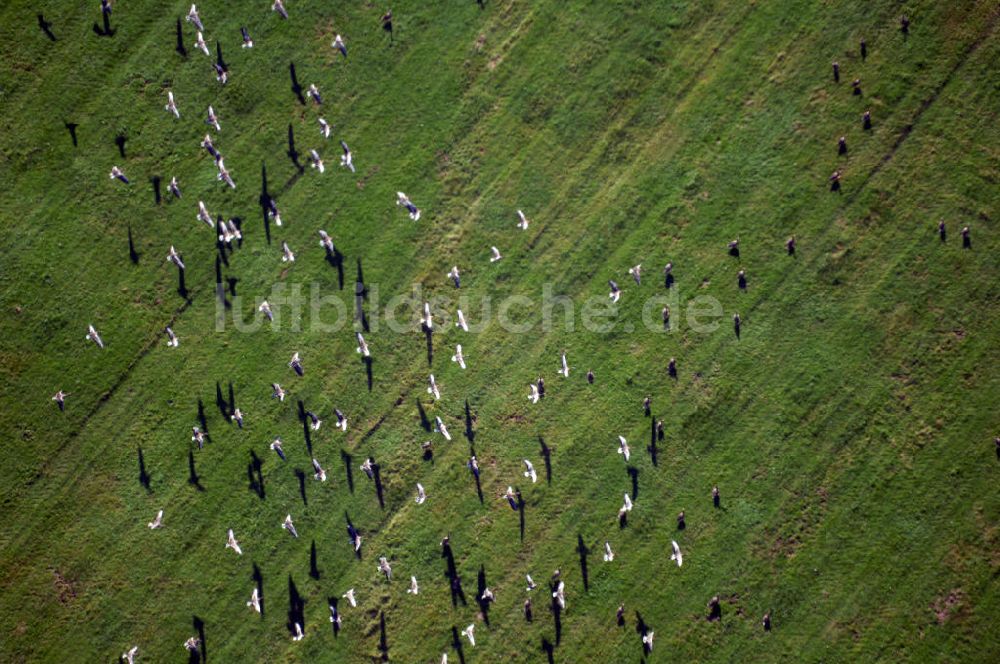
x=470 y=432
x=377 y=476
x=348 y=470
x=333 y=602
x=193 y=478
x=180 y=48
x=265 y=202
x=556 y=616
x=199 y=626
x=155 y=182
x=383 y=642
x=221 y=403
x=633 y=473
x=296 y=86
x=583 y=551
x=106 y=30
x=293 y=154
x=549 y=650
x=484 y=604
x=547 y=457
x=255 y=475
x=296 y=607
x=306 y=431
x=520 y=512
x=336 y=260
x=313 y=568
x=144 y=478
x=653 y=451
x=368 y=371
x=429 y=336
x=120 y=141
x=201 y=417
x=424 y=422
x=456 y=643
x=301 y=476
x=133 y=255
x=71 y=128
x=46 y=27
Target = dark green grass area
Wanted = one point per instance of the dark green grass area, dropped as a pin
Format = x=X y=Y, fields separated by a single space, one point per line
x=849 y=429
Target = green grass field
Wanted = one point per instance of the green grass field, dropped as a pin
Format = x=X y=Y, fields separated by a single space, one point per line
x=850 y=429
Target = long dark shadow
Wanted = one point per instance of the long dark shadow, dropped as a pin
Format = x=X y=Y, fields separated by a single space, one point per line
x=292 y=153
x=133 y=255
x=470 y=432
x=582 y=549
x=265 y=201
x=143 y=475
x=301 y=476
x=348 y=469
x=547 y=456
x=71 y=128
x=155 y=181
x=313 y=569
x=424 y=422
x=46 y=27
x=180 y=48
x=296 y=88
x=193 y=478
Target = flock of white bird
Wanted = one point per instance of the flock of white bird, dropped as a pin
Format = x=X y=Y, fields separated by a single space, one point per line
x=228 y=232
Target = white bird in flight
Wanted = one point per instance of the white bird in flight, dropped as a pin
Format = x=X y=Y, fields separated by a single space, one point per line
x=286 y=254
x=157 y=522
x=414 y=589
x=92 y=335
x=626 y=507
x=338 y=43
x=531 y=583
x=298 y=633
x=279 y=7
x=647 y=640
x=172 y=339
x=254 y=602
x=347 y=160
x=324 y=128
x=174 y=188
x=676 y=556
x=495 y=255
x=441 y=428
x=118 y=174
x=404 y=200
x=171 y=105
x=203 y=215
x=461 y=322
x=175 y=258
x=623 y=447
x=341 y=420
x=320 y=474
x=616 y=292
x=470 y=633
x=428 y=320
x=534 y=396
x=313 y=93
x=385 y=567
x=530 y=471
x=455 y=276
x=200 y=43
x=432 y=389
x=277 y=392
x=316 y=162
x=213 y=119
x=326 y=241
x=609 y=555
x=289 y=526
x=265 y=309
x=192 y=16
x=421 y=495
x=458 y=357
x=224 y=175
x=231 y=543
x=564 y=372
x=560 y=595
x=636 y=273
x=522 y=221
x=129 y=656
x=349 y=596
x=362 y=346
x=276 y=446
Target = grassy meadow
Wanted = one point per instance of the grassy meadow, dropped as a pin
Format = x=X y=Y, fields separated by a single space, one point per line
x=849 y=429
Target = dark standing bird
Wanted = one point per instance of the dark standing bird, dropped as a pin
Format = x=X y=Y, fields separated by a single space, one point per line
x=736 y=324
x=836 y=72
x=942 y=233
x=741 y=280
x=715 y=496
x=842 y=145
x=866 y=120
x=590 y=376
x=864 y=49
